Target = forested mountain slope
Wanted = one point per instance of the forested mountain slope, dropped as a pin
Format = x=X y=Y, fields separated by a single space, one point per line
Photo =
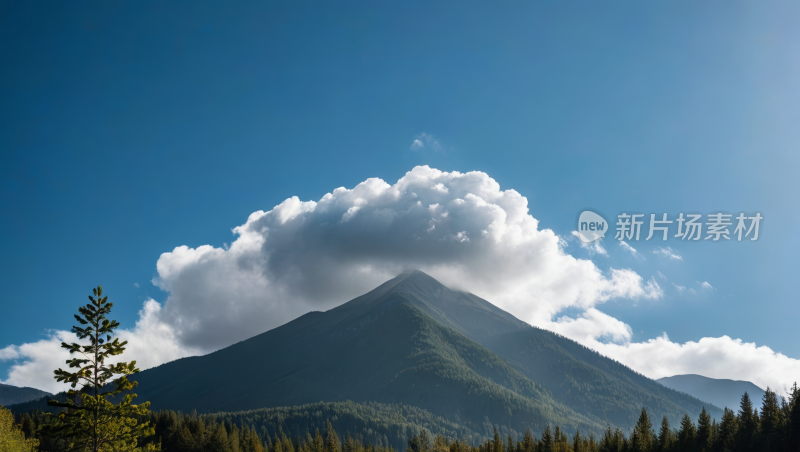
x=413 y=341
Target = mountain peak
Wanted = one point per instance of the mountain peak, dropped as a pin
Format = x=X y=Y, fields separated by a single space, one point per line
x=418 y=279
x=469 y=314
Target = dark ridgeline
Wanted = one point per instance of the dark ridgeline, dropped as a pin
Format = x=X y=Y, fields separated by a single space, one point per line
x=721 y=392
x=10 y=395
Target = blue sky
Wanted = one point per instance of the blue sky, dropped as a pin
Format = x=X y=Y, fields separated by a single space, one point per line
x=129 y=129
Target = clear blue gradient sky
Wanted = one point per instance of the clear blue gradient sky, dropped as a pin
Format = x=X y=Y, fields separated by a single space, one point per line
x=130 y=128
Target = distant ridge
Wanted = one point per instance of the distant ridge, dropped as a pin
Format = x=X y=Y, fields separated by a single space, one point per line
x=12 y=394
x=720 y=392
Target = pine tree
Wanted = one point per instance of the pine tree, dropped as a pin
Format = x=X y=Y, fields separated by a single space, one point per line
x=253 y=444
x=332 y=439
x=704 y=433
x=319 y=443
x=546 y=445
x=771 y=420
x=277 y=444
x=748 y=425
x=95 y=423
x=28 y=426
x=728 y=430
x=686 y=435
x=287 y=445
x=665 y=437
x=642 y=435
x=233 y=437
x=185 y=441
x=528 y=444
x=497 y=442
x=793 y=429
x=577 y=442
x=218 y=441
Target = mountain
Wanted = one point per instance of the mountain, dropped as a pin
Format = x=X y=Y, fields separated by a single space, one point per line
x=397 y=344
x=720 y=392
x=11 y=394
x=414 y=342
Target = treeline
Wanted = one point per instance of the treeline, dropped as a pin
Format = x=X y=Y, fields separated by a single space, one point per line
x=773 y=428
x=376 y=424
x=352 y=427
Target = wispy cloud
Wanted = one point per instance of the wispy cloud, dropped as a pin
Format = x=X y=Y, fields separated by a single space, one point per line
x=426 y=140
x=679 y=288
x=136 y=284
x=594 y=247
x=705 y=285
x=630 y=249
x=661 y=275
x=668 y=252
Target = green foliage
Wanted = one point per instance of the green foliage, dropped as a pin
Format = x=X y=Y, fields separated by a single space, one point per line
x=12 y=437
x=748 y=422
x=666 y=438
x=385 y=428
x=704 y=432
x=642 y=435
x=727 y=433
x=94 y=423
x=793 y=420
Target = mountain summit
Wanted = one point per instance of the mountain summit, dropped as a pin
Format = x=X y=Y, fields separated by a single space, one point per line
x=413 y=341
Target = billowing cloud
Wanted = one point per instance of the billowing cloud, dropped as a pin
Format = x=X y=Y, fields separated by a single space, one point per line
x=460 y=228
x=312 y=255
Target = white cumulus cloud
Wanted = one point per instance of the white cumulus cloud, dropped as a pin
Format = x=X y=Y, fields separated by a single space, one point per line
x=714 y=357
x=460 y=228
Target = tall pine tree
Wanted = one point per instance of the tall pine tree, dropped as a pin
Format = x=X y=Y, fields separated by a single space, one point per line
x=704 y=432
x=728 y=431
x=94 y=423
x=686 y=435
x=665 y=438
x=748 y=425
x=642 y=435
